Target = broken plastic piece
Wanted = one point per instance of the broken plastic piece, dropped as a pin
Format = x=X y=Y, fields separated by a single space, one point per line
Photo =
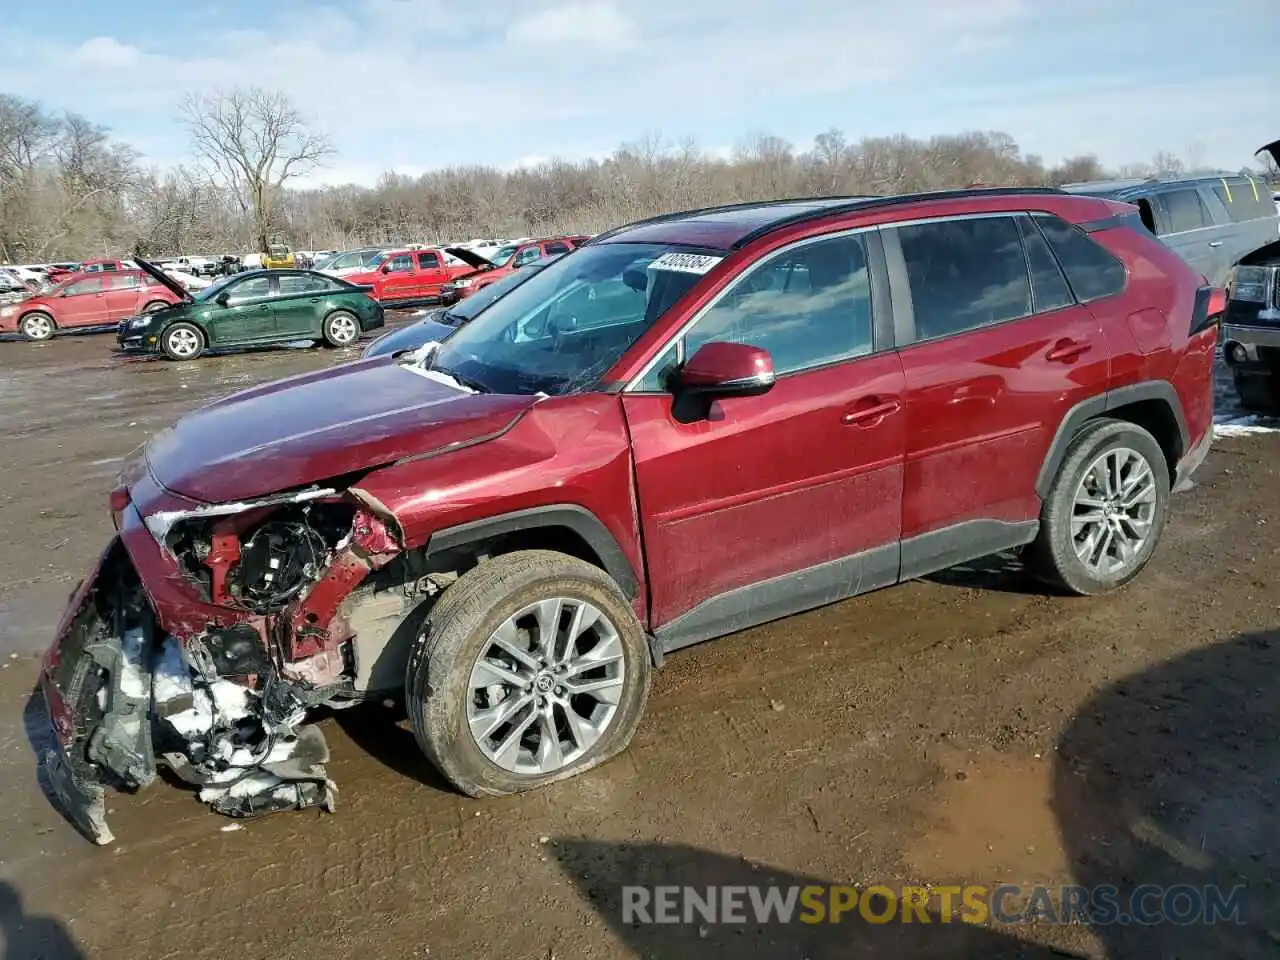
x=84 y=803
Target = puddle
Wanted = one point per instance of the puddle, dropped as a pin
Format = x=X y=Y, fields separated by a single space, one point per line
x=991 y=821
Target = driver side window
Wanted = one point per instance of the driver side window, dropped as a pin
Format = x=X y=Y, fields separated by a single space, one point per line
x=400 y=264
x=255 y=288
x=808 y=306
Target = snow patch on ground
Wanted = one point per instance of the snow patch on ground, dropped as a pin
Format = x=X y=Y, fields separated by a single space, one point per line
x=1244 y=426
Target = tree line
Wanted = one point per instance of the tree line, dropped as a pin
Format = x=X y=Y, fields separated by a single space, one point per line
x=69 y=190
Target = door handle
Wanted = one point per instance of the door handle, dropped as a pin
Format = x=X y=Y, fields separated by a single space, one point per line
x=264 y=307
x=870 y=411
x=1067 y=351
x=315 y=299
x=1215 y=243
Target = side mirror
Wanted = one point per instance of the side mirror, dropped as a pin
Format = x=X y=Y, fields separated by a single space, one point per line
x=386 y=268
x=720 y=369
x=222 y=299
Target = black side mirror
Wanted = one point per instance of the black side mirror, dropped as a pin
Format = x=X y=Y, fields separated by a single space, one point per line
x=386 y=268
x=222 y=299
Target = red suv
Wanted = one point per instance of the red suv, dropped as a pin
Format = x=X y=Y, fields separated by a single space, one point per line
x=99 y=299
x=693 y=424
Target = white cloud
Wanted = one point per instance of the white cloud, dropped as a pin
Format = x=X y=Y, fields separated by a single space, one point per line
x=106 y=52
x=598 y=25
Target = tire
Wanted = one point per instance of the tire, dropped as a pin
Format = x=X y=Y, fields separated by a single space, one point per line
x=341 y=329
x=37 y=326
x=442 y=701
x=1258 y=392
x=182 y=341
x=1053 y=555
x=155 y=306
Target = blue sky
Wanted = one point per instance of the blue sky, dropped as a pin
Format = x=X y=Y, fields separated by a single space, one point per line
x=415 y=84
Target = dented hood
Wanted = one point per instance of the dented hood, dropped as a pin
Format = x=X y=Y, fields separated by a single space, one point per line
x=321 y=425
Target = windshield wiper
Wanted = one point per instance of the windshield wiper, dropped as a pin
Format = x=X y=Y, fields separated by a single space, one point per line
x=467 y=382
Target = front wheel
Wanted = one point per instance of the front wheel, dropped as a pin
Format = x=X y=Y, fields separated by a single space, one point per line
x=532 y=668
x=1105 y=511
x=182 y=341
x=37 y=327
x=341 y=329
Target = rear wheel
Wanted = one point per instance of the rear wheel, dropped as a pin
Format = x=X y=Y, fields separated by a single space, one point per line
x=341 y=329
x=532 y=668
x=1259 y=392
x=1105 y=511
x=37 y=326
x=182 y=341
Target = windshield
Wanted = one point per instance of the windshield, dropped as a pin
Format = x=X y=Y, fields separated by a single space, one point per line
x=211 y=291
x=563 y=328
x=502 y=254
x=469 y=307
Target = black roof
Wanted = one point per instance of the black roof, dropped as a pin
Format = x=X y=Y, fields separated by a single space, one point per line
x=733 y=226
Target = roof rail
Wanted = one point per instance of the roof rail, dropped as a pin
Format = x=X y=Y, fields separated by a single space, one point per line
x=720 y=208
x=875 y=203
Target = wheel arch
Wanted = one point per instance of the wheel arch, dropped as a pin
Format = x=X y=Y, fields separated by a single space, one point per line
x=1151 y=404
x=565 y=528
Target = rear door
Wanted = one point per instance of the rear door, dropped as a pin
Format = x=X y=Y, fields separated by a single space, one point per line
x=996 y=351
x=83 y=304
x=789 y=499
x=1186 y=226
x=249 y=315
x=432 y=274
x=298 y=304
x=122 y=291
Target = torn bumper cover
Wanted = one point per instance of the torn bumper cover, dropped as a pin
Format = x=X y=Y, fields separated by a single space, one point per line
x=146 y=671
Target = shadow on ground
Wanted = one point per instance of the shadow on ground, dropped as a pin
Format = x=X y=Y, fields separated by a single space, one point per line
x=27 y=937
x=1166 y=778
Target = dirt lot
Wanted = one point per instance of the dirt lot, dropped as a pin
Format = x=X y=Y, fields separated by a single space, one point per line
x=968 y=728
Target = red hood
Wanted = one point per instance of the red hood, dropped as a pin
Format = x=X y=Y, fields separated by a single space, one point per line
x=306 y=429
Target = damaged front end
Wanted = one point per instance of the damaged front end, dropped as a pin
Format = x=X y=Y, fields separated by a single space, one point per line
x=201 y=641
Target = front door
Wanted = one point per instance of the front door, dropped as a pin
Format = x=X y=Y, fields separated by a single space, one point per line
x=83 y=304
x=248 y=315
x=1001 y=350
x=297 y=309
x=780 y=502
x=400 y=281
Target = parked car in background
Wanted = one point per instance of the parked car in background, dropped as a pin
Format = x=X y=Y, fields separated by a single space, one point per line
x=1211 y=222
x=107 y=266
x=86 y=300
x=57 y=272
x=249 y=309
x=437 y=324
x=504 y=262
x=349 y=261
x=1251 y=332
x=407 y=277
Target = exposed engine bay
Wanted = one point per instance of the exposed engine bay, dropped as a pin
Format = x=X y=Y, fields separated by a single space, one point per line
x=223 y=703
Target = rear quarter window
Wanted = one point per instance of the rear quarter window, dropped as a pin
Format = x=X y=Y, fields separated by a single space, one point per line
x=1183 y=211
x=1092 y=272
x=1245 y=200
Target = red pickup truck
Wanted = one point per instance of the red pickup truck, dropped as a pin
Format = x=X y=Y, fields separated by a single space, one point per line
x=405 y=277
x=507 y=261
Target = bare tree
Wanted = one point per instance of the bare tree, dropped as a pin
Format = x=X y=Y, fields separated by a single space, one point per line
x=255 y=141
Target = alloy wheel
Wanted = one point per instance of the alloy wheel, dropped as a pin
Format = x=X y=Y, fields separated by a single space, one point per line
x=343 y=329
x=183 y=342
x=546 y=686
x=1113 y=511
x=37 y=328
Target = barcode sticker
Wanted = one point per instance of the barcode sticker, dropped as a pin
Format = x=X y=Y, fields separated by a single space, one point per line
x=685 y=262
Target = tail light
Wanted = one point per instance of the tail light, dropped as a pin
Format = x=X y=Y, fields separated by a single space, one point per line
x=1211 y=304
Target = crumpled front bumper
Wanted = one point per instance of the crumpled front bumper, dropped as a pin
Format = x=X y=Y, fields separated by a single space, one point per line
x=124 y=694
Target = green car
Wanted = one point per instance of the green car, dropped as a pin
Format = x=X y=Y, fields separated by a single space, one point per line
x=249 y=309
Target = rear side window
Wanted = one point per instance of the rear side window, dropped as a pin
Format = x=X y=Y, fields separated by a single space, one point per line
x=428 y=261
x=292 y=284
x=1049 y=290
x=1183 y=210
x=965 y=274
x=1245 y=199
x=1092 y=271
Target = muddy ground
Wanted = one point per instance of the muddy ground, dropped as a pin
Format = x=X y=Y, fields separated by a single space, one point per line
x=967 y=728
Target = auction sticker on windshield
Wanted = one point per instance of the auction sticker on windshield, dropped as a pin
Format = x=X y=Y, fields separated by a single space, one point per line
x=685 y=262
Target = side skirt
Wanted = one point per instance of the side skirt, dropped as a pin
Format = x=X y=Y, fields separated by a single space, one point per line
x=841 y=579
